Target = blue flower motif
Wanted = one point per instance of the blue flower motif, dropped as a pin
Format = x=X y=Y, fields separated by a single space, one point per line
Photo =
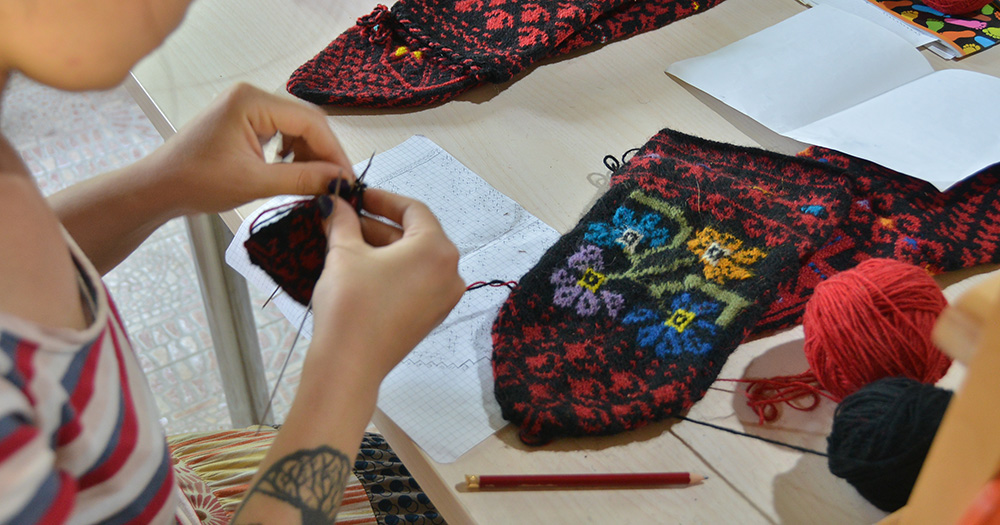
x=628 y=231
x=579 y=281
x=688 y=327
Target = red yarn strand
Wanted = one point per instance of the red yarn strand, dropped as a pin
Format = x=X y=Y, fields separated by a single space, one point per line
x=765 y=394
x=273 y=211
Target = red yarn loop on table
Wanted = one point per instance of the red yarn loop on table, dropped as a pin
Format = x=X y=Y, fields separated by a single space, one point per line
x=874 y=321
x=957 y=7
x=800 y=391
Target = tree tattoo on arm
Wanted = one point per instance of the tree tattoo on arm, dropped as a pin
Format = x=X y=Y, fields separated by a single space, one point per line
x=310 y=480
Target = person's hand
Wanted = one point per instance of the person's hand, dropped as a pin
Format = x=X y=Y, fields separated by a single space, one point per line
x=959 y=329
x=383 y=289
x=216 y=163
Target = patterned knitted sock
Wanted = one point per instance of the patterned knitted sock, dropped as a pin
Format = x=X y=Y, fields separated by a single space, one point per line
x=289 y=243
x=629 y=317
x=423 y=52
x=897 y=217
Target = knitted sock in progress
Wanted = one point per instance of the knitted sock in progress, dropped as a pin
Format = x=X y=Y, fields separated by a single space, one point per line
x=290 y=246
x=423 y=52
x=895 y=216
x=629 y=317
x=289 y=242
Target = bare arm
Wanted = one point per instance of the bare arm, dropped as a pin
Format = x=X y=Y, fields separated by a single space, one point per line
x=212 y=165
x=304 y=473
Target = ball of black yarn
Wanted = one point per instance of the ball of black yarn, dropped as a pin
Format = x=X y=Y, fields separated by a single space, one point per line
x=881 y=435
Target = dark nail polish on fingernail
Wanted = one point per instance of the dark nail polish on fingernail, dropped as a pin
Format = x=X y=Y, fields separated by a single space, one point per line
x=325 y=204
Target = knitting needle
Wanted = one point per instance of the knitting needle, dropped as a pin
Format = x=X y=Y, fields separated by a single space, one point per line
x=275 y=293
x=336 y=192
x=288 y=356
x=277 y=382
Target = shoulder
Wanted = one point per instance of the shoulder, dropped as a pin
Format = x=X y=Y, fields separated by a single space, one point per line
x=37 y=276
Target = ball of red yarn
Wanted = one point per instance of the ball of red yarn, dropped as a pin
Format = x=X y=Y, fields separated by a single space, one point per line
x=956 y=7
x=871 y=322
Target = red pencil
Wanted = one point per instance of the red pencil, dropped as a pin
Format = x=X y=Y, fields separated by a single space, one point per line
x=637 y=479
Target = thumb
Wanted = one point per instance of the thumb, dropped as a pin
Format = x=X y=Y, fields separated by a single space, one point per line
x=299 y=178
x=343 y=227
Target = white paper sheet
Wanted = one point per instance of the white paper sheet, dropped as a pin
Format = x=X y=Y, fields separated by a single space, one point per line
x=912 y=130
x=833 y=79
x=441 y=395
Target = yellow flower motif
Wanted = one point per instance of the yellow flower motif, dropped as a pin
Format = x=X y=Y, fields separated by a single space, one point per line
x=723 y=255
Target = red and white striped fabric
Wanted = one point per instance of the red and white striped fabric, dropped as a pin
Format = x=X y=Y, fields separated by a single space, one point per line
x=79 y=436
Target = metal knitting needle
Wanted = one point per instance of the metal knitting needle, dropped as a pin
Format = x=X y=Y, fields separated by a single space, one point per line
x=365 y=171
x=288 y=356
x=275 y=293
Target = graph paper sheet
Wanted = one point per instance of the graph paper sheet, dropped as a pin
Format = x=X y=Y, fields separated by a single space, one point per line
x=441 y=395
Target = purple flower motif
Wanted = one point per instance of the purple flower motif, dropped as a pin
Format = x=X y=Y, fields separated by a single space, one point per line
x=579 y=282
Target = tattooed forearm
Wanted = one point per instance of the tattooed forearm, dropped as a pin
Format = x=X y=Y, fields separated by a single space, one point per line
x=309 y=480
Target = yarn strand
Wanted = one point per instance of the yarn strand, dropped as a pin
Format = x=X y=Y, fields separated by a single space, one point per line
x=765 y=394
x=495 y=283
x=759 y=438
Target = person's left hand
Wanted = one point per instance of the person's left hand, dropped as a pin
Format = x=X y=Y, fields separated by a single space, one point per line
x=216 y=162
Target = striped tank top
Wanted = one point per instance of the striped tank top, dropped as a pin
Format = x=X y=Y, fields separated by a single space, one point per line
x=79 y=436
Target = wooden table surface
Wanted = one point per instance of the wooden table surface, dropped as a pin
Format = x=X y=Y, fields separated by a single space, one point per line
x=540 y=139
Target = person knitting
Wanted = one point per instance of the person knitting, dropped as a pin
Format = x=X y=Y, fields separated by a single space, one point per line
x=79 y=437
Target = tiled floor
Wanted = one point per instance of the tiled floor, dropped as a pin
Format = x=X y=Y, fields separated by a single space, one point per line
x=67 y=137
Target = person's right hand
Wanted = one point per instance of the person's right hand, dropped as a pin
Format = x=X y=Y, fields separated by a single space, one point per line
x=383 y=289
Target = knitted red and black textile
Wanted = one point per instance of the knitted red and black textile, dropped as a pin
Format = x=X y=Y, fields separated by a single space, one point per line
x=290 y=246
x=422 y=52
x=629 y=317
x=895 y=216
x=289 y=242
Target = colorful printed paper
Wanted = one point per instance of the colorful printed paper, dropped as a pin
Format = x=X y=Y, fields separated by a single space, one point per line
x=966 y=34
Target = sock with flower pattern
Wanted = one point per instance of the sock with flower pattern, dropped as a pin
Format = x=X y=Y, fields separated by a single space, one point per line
x=422 y=52
x=629 y=317
x=289 y=242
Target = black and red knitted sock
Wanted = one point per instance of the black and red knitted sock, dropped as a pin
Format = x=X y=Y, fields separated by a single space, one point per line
x=897 y=217
x=423 y=52
x=629 y=317
x=290 y=247
x=289 y=243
